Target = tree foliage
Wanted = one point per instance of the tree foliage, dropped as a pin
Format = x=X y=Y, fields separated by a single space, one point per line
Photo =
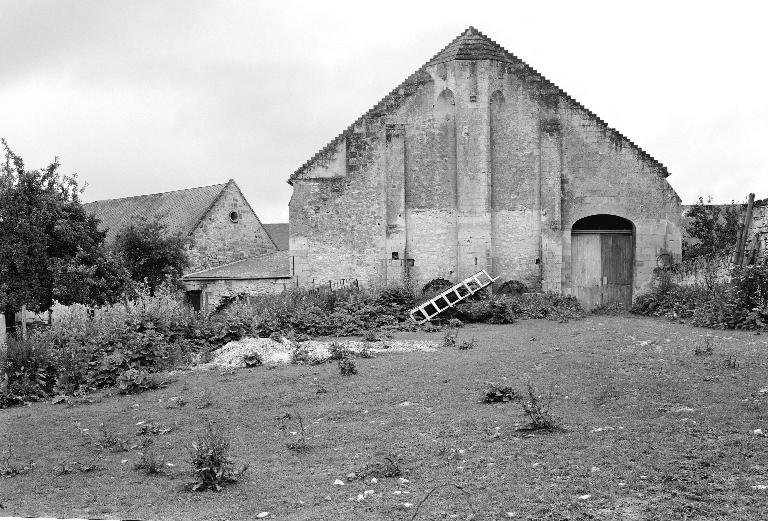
x=711 y=228
x=50 y=248
x=151 y=253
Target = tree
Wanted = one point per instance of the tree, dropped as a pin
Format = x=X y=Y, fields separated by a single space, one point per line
x=50 y=248
x=151 y=253
x=711 y=228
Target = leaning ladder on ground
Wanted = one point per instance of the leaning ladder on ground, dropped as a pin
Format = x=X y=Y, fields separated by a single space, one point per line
x=447 y=299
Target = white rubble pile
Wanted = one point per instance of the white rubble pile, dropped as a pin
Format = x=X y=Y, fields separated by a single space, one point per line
x=272 y=352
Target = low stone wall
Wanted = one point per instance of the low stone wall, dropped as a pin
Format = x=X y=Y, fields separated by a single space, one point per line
x=705 y=270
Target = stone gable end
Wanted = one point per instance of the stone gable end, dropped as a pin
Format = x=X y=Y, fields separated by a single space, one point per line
x=218 y=239
x=475 y=164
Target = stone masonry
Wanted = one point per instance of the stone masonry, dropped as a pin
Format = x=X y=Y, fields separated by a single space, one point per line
x=217 y=239
x=475 y=162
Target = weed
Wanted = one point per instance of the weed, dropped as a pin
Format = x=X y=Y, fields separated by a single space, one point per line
x=730 y=362
x=321 y=390
x=537 y=409
x=74 y=466
x=387 y=468
x=284 y=423
x=705 y=350
x=210 y=464
x=449 y=339
x=467 y=344
x=205 y=400
x=370 y=336
x=150 y=464
x=110 y=440
x=347 y=366
x=496 y=393
x=176 y=402
x=455 y=323
x=365 y=353
x=9 y=467
x=429 y=327
x=151 y=429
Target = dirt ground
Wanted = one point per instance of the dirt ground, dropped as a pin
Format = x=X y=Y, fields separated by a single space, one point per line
x=651 y=431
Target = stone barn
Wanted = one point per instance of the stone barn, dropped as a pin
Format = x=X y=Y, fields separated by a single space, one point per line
x=477 y=161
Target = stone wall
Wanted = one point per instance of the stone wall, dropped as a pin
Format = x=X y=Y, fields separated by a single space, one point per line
x=706 y=271
x=213 y=292
x=468 y=167
x=218 y=240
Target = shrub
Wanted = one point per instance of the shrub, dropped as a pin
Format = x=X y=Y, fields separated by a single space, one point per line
x=27 y=371
x=387 y=468
x=449 y=339
x=497 y=393
x=512 y=287
x=435 y=287
x=740 y=304
x=300 y=355
x=134 y=381
x=347 y=366
x=210 y=463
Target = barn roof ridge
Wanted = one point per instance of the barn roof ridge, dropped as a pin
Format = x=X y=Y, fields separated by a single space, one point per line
x=460 y=48
x=181 y=210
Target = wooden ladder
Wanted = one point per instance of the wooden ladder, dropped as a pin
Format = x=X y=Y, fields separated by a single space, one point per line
x=450 y=297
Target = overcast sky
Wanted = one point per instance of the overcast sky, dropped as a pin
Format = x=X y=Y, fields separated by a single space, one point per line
x=147 y=96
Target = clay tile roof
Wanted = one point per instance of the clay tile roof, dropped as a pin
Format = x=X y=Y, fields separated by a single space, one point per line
x=470 y=45
x=474 y=45
x=273 y=265
x=278 y=232
x=180 y=210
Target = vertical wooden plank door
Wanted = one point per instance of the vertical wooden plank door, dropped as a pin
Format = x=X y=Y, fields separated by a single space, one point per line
x=586 y=269
x=601 y=269
x=616 y=253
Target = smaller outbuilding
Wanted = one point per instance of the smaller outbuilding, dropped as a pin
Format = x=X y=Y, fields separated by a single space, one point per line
x=268 y=273
x=231 y=252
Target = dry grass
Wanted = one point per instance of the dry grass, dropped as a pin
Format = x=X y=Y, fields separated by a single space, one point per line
x=651 y=431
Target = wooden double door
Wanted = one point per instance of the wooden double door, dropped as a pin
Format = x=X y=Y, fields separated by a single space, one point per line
x=601 y=267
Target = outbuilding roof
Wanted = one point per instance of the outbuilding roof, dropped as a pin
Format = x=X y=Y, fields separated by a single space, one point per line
x=180 y=210
x=278 y=232
x=273 y=265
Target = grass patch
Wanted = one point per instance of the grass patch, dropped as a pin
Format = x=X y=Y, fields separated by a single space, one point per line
x=652 y=432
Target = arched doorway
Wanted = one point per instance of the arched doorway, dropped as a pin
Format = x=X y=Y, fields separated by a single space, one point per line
x=602 y=254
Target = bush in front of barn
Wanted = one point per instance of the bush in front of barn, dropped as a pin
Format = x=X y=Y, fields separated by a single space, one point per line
x=741 y=303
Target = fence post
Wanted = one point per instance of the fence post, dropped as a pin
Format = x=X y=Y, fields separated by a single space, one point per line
x=2 y=333
x=24 y=322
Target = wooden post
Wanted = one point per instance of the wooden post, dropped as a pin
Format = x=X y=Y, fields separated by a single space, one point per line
x=739 y=257
x=2 y=332
x=24 y=322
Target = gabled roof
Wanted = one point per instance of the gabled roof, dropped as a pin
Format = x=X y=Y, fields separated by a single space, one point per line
x=273 y=265
x=278 y=232
x=474 y=45
x=180 y=210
